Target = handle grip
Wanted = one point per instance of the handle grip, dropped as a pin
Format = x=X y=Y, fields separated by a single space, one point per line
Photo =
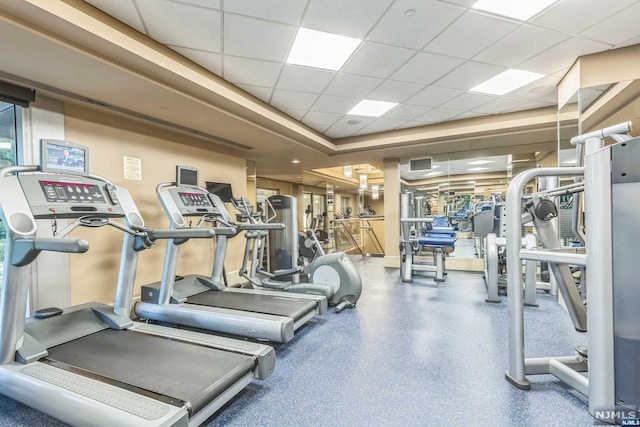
x=273 y=226
x=181 y=233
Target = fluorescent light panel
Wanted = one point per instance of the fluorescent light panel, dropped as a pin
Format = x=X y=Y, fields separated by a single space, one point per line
x=370 y=108
x=318 y=49
x=517 y=9
x=478 y=169
x=480 y=162
x=506 y=82
x=432 y=174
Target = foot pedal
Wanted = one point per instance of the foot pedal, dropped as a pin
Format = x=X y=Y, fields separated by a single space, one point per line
x=582 y=351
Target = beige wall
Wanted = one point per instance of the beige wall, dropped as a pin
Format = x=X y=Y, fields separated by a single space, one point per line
x=110 y=137
x=285 y=188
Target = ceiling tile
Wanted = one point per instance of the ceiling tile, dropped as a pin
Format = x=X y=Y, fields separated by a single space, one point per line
x=582 y=13
x=348 y=18
x=165 y=22
x=426 y=68
x=406 y=112
x=465 y=3
x=351 y=85
x=467 y=101
x=470 y=115
x=211 y=4
x=124 y=11
x=209 y=60
x=320 y=118
x=304 y=79
x=544 y=89
x=411 y=124
x=498 y=105
x=437 y=115
x=334 y=104
x=294 y=112
x=381 y=124
x=429 y=19
x=631 y=42
x=520 y=45
x=562 y=55
x=285 y=11
x=318 y=128
x=344 y=131
x=432 y=96
x=262 y=93
x=356 y=122
x=531 y=105
x=469 y=34
x=468 y=75
x=253 y=38
x=366 y=60
x=251 y=71
x=617 y=28
x=394 y=91
x=286 y=99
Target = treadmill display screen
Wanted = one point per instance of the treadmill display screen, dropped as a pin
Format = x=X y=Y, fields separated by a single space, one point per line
x=71 y=192
x=194 y=199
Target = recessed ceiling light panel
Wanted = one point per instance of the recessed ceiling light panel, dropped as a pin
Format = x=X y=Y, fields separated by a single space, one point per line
x=371 y=108
x=517 y=9
x=506 y=82
x=318 y=49
x=478 y=169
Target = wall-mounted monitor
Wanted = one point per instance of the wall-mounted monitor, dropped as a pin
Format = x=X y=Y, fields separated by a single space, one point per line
x=186 y=176
x=61 y=156
x=221 y=190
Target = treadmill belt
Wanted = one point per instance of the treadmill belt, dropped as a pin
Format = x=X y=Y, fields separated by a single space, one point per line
x=257 y=303
x=190 y=373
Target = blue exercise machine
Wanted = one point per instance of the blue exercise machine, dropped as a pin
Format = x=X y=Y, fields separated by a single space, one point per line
x=421 y=237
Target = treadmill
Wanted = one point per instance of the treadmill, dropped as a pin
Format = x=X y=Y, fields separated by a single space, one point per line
x=91 y=364
x=205 y=302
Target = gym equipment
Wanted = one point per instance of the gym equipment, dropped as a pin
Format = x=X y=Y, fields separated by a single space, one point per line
x=331 y=275
x=334 y=270
x=433 y=235
x=611 y=191
x=91 y=364
x=205 y=302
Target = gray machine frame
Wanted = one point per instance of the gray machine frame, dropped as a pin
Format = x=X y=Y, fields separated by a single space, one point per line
x=167 y=300
x=409 y=262
x=27 y=375
x=611 y=191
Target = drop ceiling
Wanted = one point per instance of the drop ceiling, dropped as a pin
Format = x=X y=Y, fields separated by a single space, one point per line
x=216 y=70
x=423 y=54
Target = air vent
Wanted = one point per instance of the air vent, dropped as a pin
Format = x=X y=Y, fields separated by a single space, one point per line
x=420 y=164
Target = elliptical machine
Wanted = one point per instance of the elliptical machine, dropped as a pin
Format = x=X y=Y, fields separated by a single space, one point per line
x=334 y=269
x=332 y=275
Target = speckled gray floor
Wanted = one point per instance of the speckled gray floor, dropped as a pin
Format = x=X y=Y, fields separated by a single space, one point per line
x=410 y=354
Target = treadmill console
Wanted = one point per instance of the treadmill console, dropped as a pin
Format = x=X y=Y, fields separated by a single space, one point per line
x=68 y=196
x=192 y=201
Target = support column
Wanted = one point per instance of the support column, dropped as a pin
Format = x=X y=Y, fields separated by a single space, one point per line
x=392 y=213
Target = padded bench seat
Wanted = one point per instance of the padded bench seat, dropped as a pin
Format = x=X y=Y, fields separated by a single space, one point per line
x=430 y=242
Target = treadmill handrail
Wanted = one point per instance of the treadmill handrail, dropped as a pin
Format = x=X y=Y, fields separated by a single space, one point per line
x=261 y=226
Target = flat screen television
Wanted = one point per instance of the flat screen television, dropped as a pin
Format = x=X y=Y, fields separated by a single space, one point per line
x=61 y=156
x=186 y=176
x=220 y=189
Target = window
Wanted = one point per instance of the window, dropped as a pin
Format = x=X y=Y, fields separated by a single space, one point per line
x=8 y=152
